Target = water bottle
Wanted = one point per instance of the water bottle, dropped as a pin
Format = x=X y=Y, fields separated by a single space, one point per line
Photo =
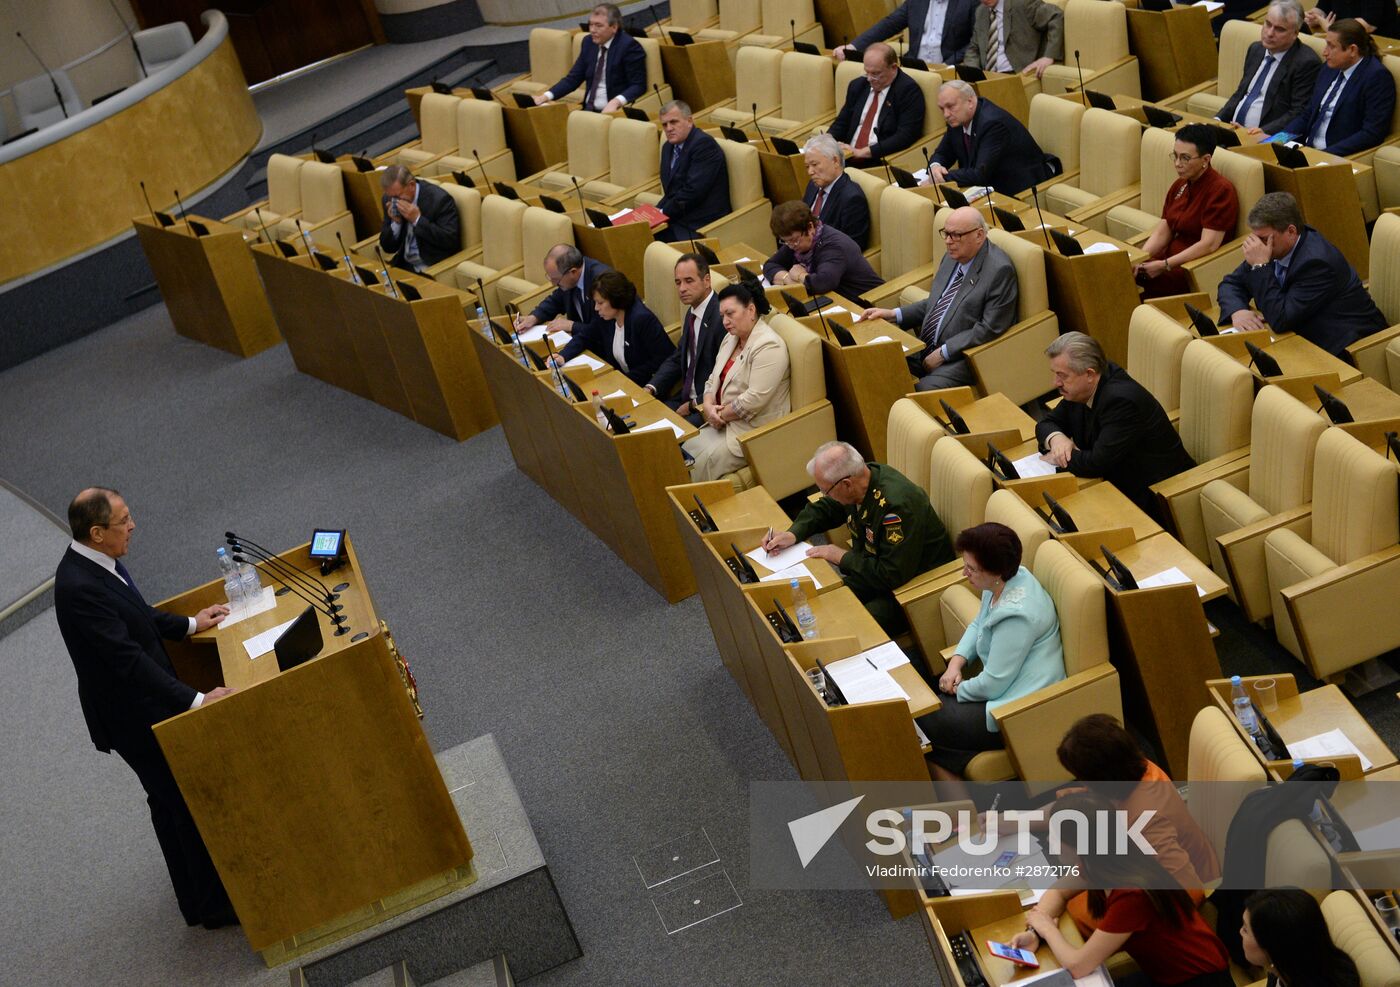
x=233 y=585
x=252 y=583
x=806 y=619
x=598 y=411
x=1244 y=709
x=485 y=326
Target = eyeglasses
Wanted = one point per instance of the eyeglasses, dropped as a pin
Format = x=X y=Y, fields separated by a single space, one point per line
x=827 y=491
x=955 y=235
x=1184 y=158
x=120 y=523
x=794 y=240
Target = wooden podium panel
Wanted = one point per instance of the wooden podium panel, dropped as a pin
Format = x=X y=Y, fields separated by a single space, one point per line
x=516 y=408
x=699 y=74
x=209 y=284
x=784 y=175
x=371 y=348
x=315 y=789
x=1175 y=49
x=538 y=136
x=620 y=247
x=1095 y=294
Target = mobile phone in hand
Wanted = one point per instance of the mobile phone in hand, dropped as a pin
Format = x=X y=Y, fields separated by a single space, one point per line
x=1021 y=957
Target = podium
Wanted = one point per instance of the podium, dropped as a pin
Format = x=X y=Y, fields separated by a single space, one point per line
x=1094 y=294
x=315 y=789
x=364 y=196
x=699 y=74
x=538 y=136
x=209 y=284
x=1175 y=49
x=623 y=248
x=784 y=175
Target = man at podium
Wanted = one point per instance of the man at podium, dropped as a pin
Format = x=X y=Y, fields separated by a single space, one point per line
x=126 y=684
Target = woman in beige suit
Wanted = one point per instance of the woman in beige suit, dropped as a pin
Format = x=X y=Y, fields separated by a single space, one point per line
x=749 y=386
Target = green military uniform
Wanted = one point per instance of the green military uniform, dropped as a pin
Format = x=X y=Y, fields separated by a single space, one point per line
x=895 y=535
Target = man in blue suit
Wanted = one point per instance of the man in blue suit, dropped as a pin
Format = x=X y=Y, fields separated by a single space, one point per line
x=1299 y=281
x=623 y=64
x=693 y=176
x=569 y=307
x=939 y=30
x=1353 y=98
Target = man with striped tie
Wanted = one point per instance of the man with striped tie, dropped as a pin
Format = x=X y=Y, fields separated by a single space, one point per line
x=1023 y=36
x=972 y=301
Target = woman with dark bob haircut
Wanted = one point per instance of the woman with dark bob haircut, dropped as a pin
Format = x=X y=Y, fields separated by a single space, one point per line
x=1285 y=933
x=1016 y=637
x=632 y=338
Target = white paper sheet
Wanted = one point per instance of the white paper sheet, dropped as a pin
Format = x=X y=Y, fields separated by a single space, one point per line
x=786 y=559
x=560 y=338
x=1100 y=248
x=886 y=657
x=659 y=424
x=1167 y=577
x=262 y=643
x=584 y=360
x=860 y=683
x=1333 y=743
x=619 y=393
x=265 y=602
x=742 y=259
x=534 y=333
x=921 y=175
x=1033 y=465
x=1210 y=5
x=978 y=192
x=787 y=575
x=880 y=339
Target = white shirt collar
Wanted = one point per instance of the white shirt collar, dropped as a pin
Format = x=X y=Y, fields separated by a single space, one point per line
x=699 y=310
x=93 y=555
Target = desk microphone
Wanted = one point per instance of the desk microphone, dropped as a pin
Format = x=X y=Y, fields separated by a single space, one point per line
x=825 y=328
x=581 y=207
x=338 y=619
x=267 y=237
x=1044 y=230
x=928 y=170
x=58 y=93
x=889 y=175
x=305 y=239
x=792 y=26
x=383 y=265
x=152 y=210
x=240 y=544
x=179 y=202
x=558 y=368
x=660 y=31
x=484 y=178
x=140 y=62
x=349 y=265
x=659 y=102
x=1083 y=95
x=760 y=130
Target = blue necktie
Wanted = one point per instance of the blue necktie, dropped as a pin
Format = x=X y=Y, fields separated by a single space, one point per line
x=1329 y=101
x=1255 y=90
x=1280 y=272
x=126 y=576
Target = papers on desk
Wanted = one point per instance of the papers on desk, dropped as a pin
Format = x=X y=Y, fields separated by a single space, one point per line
x=560 y=338
x=659 y=424
x=1099 y=978
x=957 y=861
x=265 y=602
x=798 y=571
x=835 y=310
x=262 y=643
x=740 y=260
x=978 y=192
x=1167 y=577
x=786 y=559
x=886 y=657
x=1033 y=465
x=584 y=360
x=1333 y=743
x=620 y=393
x=886 y=339
x=921 y=175
x=534 y=333
x=1100 y=248
x=1211 y=5
x=860 y=682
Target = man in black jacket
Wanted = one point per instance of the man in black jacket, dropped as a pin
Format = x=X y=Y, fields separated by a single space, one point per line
x=569 y=307
x=1279 y=74
x=984 y=145
x=701 y=333
x=883 y=113
x=126 y=684
x=832 y=195
x=938 y=32
x=1107 y=425
x=421 y=224
x=693 y=175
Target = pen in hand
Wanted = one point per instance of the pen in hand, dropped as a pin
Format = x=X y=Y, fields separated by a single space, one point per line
x=767 y=541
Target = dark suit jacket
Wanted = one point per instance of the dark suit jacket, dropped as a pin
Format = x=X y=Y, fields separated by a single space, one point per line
x=625 y=71
x=568 y=303
x=845 y=208
x=1321 y=298
x=644 y=342
x=438 y=230
x=1034 y=29
x=697 y=193
x=837 y=264
x=126 y=683
x=901 y=119
x=1361 y=118
x=672 y=370
x=1004 y=154
x=1289 y=89
x=984 y=308
x=912 y=15
x=1125 y=437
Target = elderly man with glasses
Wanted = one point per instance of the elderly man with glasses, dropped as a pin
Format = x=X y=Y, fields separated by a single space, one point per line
x=895 y=534
x=972 y=301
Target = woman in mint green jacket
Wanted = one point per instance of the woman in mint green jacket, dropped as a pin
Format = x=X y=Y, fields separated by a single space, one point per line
x=1016 y=636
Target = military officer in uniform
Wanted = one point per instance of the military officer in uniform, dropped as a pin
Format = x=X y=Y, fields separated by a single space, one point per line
x=895 y=534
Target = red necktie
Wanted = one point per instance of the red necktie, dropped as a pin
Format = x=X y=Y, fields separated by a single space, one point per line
x=819 y=202
x=599 y=67
x=863 y=138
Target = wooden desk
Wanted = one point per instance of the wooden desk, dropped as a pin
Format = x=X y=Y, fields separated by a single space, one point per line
x=1296 y=356
x=323 y=818
x=984 y=415
x=699 y=74
x=1175 y=49
x=538 y=136
x=210 y=284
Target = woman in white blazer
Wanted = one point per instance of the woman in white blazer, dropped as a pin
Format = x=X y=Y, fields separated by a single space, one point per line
x=749 y=386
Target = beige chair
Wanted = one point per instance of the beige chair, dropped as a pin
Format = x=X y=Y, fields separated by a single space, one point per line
x=551 y=57
x=588 y=160
x=874 y=188
x=1355 y=934
x=283 y=198
x=1106 y=177
x=1332 y=572
x=1156 y=344
x=1369 y=352
x=778 y=452
x=324 y=214
x=1033 y=725
x=1013 y=363
x=481 y=131
x=910 y=435
x=437 y=127
x=1278 y=478
x=765 y=24
x=501 y=261
x=910 y=245
x=634 y=160
x=1098 y=30
x=1006 y=507
x=747 y=223
x=1055 y=124
x=1216 y=753
x=806 y=97
x=1207 y=98
x=689 y=16
x=758 y=87
x=1217 y=396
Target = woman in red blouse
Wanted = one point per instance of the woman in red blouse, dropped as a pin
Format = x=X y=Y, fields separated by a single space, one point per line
x=1200 y=212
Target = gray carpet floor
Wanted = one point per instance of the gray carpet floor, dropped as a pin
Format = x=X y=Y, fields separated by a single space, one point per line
x=619 y=724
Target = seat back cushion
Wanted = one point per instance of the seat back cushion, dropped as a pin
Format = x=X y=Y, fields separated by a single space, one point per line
x=481 y=127
x=1217 y=396
x=438 y=122
x=758 y=79
x=1079 y=601
x=1005 y=507
x=959 y=485
x=1055 y=127
x=808 y=380
x=1282 y=445
x=806 y=82
x=1116 y=143
x=1156 y=344
x=501 y=218
x=1033 y=292
x=284 y=183
x=1354 y=499
x=1247 y=175
x=1216 y=753
x=322 y=191
x=910 y=437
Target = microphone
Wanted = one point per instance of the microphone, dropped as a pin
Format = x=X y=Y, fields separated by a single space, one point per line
x=267 y=237
x=484 y=178
x=889 y=175
x=825 y=328
x=660 y=31
x=305 y=240
x=58 y=93
x=384 y=267
x=338 y=619
x=349 y=265
x=760 y=130
x=1044 y=230
x=556 y=367
x=486 y=309
x=152 y=211
x=928 y=167
x=241 y=544
x=792 y=26
x=1083 y=96
x=140 y=62
x=581 y=207
x=186 y=218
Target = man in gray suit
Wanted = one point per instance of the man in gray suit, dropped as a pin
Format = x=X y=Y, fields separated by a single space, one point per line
x=1016 y=36
x=972 y=301
x=1279 y=74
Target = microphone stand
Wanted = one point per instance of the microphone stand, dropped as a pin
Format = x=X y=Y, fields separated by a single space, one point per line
x=338 y=619
x=1044 y=230
x=140 y=62
x=57 y=93
x=326 y=597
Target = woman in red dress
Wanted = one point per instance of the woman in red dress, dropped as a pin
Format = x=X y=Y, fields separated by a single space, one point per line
x=1200 y=212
